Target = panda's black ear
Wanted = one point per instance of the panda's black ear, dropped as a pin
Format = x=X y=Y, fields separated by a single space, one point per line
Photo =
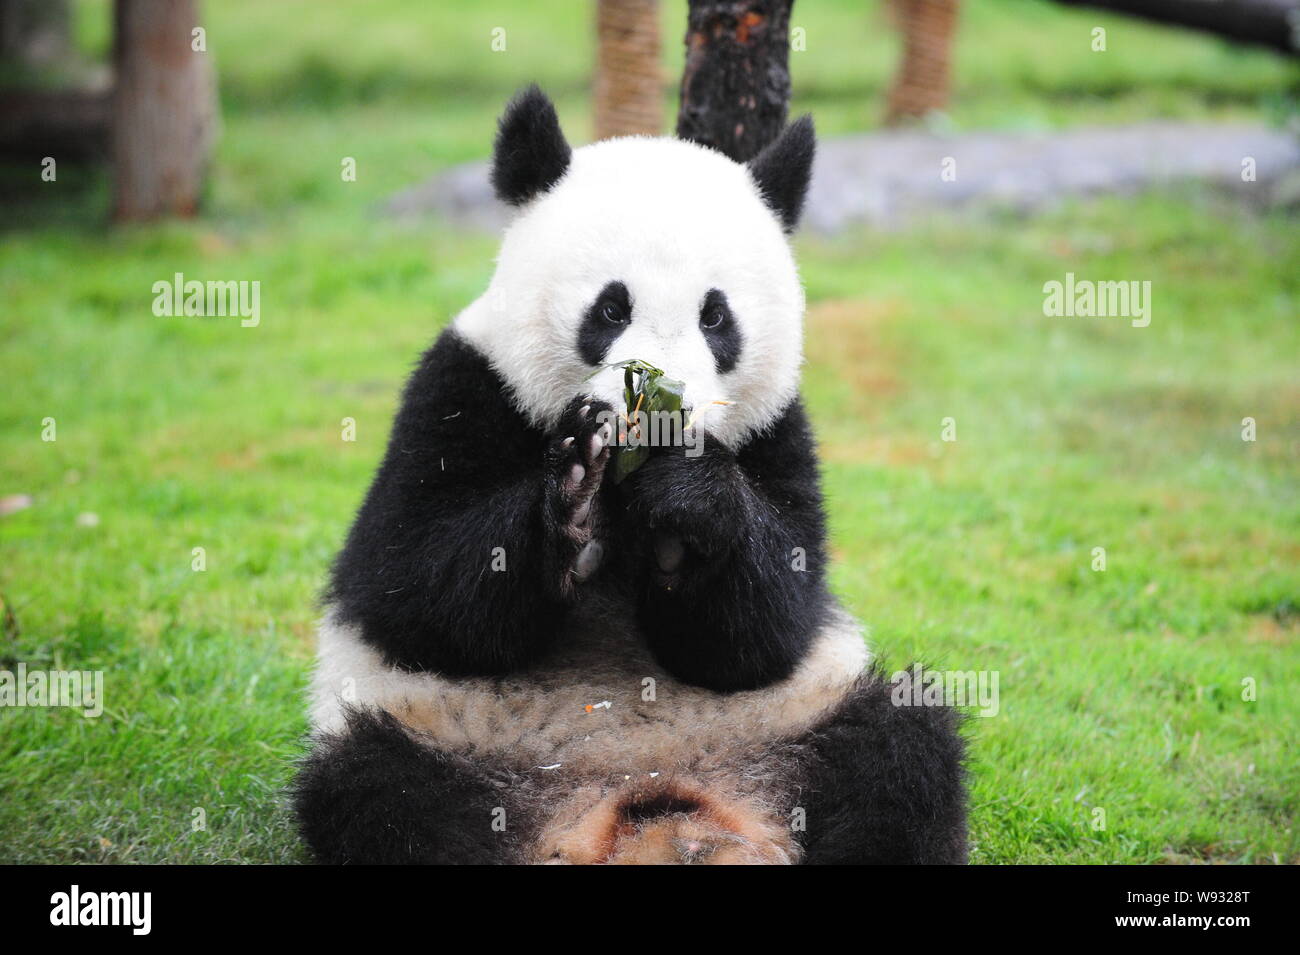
x=531 y=153
x=784 y=168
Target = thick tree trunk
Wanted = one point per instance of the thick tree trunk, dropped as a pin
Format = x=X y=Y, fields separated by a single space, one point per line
x=736 y=85
x=629 y=96
x=1271 y=23
x=164 y=110
x=921 y=83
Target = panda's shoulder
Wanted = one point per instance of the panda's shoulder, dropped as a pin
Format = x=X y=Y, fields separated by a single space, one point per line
x=455 y=403
x=786 y=445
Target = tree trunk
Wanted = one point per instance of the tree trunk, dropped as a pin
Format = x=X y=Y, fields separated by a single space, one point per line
x=164 y=110
x=34 y=32
x=736 y=84
x=921 y=83
x=1270 y=23
x=629 y=97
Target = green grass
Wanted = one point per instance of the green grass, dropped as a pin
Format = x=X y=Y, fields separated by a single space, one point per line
x=1120 y=690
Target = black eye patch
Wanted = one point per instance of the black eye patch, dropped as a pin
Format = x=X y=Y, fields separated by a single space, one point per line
x=721 y=331
x=605 y=320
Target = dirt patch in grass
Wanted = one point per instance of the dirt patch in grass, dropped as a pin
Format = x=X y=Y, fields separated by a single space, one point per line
x=1269 y=629
x=844 y=335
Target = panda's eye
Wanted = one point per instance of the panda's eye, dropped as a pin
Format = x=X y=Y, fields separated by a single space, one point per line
x=713 y=316
x=613 y=313
x=721 y=330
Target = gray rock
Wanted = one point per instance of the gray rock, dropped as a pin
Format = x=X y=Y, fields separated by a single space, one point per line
x=891 y=178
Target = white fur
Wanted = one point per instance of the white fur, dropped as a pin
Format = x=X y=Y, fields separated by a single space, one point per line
x=539 y=717
x=671 y=220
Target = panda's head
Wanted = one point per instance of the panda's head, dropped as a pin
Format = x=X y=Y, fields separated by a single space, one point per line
x=645 y=248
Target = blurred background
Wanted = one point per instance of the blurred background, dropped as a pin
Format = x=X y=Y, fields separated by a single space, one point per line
x=173 y=487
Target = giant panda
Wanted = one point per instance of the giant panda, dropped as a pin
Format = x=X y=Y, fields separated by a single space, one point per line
x=521 y=661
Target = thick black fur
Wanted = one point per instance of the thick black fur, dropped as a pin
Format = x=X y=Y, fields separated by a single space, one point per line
x=375 y=796
x=464 y=473
x=721 y=331
x=606 y=319
x=531 y=153
x=784 y=169
x=736 y=614
x=886 y=783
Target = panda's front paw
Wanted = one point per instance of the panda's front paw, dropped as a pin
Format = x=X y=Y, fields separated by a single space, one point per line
x=577 y=457
x=692 y=506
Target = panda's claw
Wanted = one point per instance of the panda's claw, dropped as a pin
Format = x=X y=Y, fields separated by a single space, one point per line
x=579 y=466
x=588 y=560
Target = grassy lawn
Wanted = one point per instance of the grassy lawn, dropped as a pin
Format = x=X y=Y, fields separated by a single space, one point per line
x=1121 y=690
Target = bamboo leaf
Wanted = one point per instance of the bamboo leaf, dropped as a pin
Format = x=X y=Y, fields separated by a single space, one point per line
x=650 y=390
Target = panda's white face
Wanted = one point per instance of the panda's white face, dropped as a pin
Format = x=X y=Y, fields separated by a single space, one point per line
x=651 y=249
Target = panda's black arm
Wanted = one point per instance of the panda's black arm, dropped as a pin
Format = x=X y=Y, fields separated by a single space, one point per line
x=455 y=562
x=741 y=607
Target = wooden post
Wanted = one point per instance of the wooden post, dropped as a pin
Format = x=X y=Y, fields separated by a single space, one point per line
x=164 y=110
x=628 y=87
x=921 y=83
x=736 y=85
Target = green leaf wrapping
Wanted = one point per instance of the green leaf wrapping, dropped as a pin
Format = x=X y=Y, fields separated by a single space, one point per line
x=650 y=390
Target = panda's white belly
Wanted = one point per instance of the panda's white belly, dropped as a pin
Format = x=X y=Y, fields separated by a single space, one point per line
x=598 y=706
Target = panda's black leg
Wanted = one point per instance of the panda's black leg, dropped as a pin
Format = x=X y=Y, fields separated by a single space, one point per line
x=885 y=783
x=373 y=795
x=576 y=461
